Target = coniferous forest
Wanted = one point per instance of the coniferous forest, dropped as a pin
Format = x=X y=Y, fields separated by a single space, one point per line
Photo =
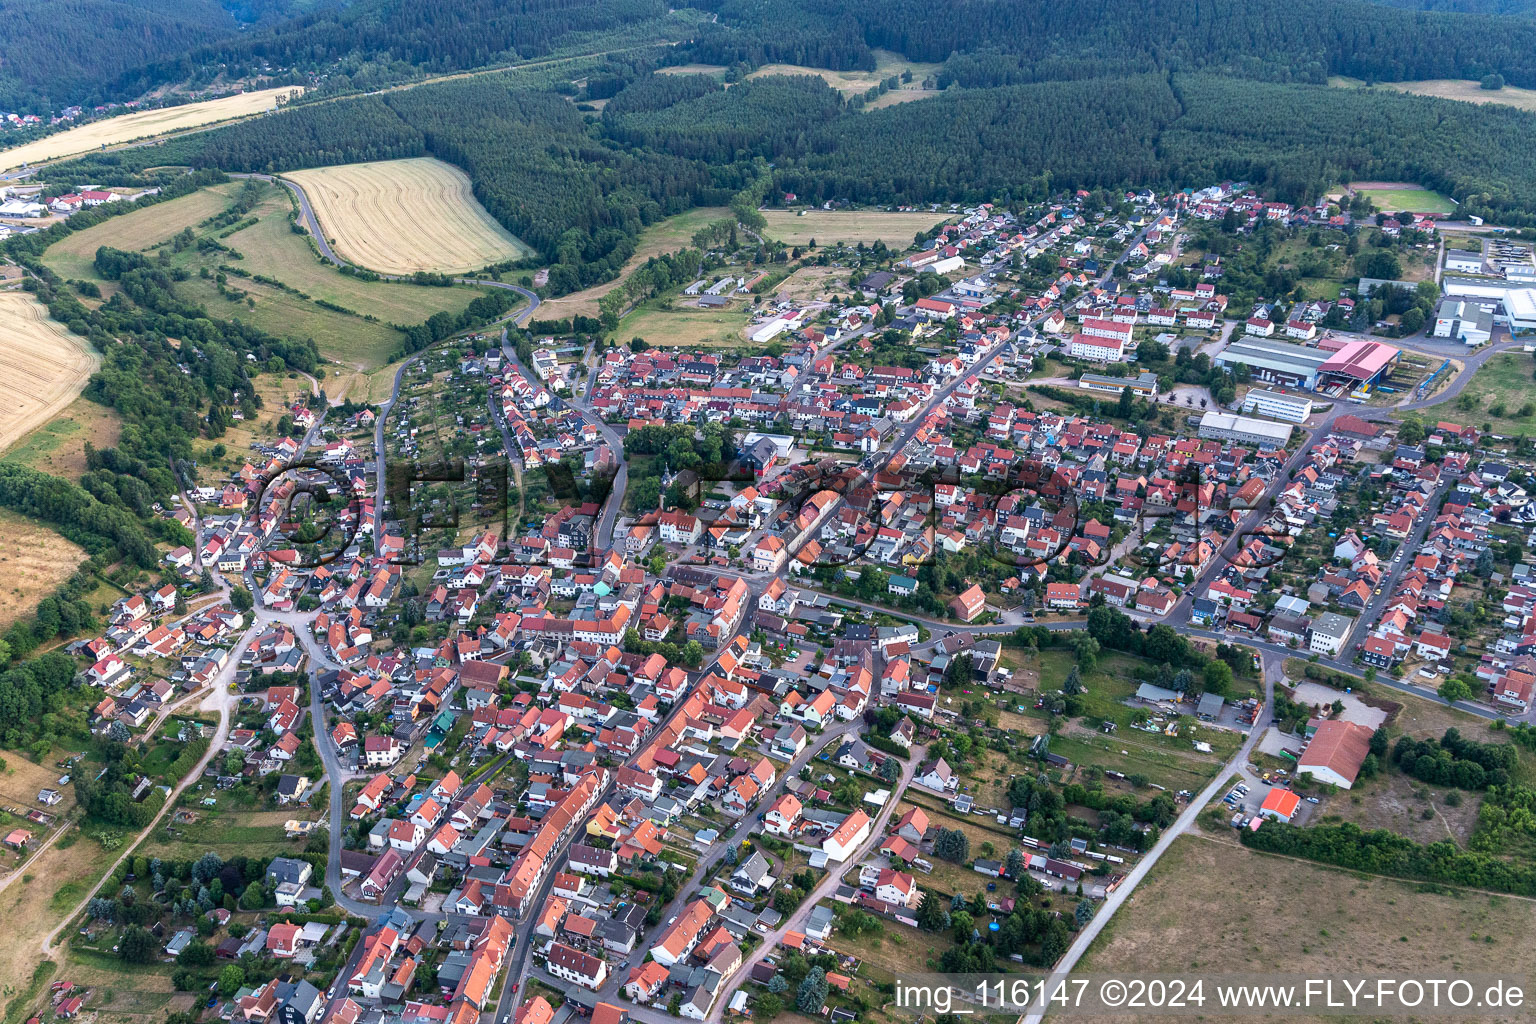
x=1036 y=96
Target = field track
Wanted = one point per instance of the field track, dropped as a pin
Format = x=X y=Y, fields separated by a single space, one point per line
x=42 y=366
x=144 y=124
x=401 y=216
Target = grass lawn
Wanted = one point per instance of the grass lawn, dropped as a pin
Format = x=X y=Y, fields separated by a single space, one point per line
x=273 y=250
x=58 y=446
x=1499 y=390
x=228 y=832
x=1199 y=911
x=892 y=949
x=350 y=340
x=1125 y=754
x=813 y=283
x=1413 y=200
x=687 y=328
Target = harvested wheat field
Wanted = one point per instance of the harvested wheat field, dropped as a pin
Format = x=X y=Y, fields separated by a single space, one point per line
x=43 y=367
x=827 y=226
x=142 y=125
x=401 y=216
x=33 y=562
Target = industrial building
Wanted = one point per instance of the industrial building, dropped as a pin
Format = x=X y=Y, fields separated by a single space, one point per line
x=1465 y=320
x=1514 y=305
x=1143 y=385
x=1277 y=361
x=1221 y=426
x=1277 y=405
x=1463 y=261
x=1359 y=365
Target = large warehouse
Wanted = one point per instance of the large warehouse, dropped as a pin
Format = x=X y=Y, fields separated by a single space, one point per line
x=1359 y=364
x=1276 y=361
x=1221 y=426
x=1353 y=365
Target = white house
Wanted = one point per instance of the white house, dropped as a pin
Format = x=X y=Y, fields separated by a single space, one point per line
x=840 y=845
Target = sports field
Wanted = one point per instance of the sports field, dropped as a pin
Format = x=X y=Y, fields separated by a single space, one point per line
x=145 y=124
x=686 y=328
x=43 y=367
x=828 y=226
x=1392 y=198
x=401 y=216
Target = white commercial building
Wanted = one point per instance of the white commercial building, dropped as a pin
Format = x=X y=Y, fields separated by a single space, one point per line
x=1466 y=320
x=1515 y=307
x=1274 y=404
x=1462 y=261
x=1221 y=426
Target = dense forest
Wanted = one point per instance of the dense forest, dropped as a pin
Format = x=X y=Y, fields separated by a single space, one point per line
x=54 y=53
x=90 y=50
x=579 y=187
x=371 y=42
x=1278 y=40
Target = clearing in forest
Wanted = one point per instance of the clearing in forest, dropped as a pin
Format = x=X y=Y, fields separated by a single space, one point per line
x=401 y=216
x=854 y=83
x=43 y=367
x=143 y=125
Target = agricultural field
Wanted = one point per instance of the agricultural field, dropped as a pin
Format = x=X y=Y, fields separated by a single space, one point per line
x=686 y=328
x=667 y=235
x=353 y=329
x=142 y=125
x=43 y=367
x=853 y=83
x=74 y=255
x=826 y=226
x=401 y=216
x=1195 y=912
x=1453 y=89
x=58 y=446
x=1502 y=394
x=1390 y=197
